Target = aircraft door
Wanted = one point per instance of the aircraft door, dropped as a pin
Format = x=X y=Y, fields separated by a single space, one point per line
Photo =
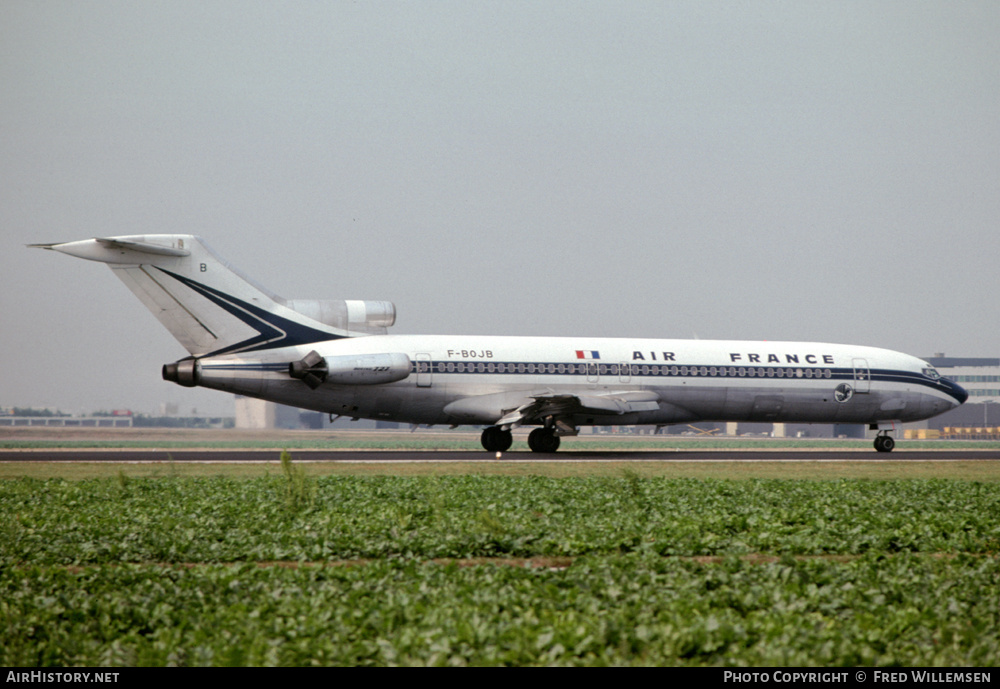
x=424 y=370
x=624 y=372
x=862 y=376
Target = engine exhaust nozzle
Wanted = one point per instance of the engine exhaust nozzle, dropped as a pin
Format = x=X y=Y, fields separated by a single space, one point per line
x=185 y=372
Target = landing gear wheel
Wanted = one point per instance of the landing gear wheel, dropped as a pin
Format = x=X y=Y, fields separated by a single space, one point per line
x=884 y=443
x=495 y=439
x=543 y=440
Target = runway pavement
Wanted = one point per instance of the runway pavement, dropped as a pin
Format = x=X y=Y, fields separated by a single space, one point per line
x=569 y=455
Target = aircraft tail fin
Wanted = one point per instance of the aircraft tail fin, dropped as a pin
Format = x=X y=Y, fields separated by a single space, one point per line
x=213 y=308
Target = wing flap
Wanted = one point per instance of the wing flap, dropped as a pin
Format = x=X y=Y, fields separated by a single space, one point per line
x=562 y=404
x=620 y=402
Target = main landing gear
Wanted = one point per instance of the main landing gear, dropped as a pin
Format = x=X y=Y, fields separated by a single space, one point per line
x=495 y=439
x=884 y=442
x=543 y=440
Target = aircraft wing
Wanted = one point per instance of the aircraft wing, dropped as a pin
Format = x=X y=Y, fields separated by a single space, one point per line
x=560 y=404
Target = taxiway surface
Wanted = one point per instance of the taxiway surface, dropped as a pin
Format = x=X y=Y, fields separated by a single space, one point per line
x=569 y=455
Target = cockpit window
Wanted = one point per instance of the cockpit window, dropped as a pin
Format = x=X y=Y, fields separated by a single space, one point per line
x=932 y=373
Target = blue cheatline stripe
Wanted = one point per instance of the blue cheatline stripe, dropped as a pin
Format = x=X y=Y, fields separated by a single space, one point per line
x=246 y=367
x=651 y=372
x=273 y=331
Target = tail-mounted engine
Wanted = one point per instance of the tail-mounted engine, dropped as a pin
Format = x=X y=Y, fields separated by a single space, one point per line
x=359 y=369
x=370 y=317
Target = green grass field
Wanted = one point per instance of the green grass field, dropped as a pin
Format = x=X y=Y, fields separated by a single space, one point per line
x=972 y=470
x=501 y=563
x=788 y=563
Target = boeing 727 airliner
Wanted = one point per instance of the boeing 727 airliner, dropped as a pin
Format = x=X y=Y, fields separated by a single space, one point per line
x=336 y=357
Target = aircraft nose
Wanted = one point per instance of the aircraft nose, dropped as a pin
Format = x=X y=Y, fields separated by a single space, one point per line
x=957 y=392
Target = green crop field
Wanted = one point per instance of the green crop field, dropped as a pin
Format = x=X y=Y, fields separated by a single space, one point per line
x=481 y=569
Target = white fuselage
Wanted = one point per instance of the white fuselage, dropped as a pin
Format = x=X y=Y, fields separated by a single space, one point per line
x=477 y=379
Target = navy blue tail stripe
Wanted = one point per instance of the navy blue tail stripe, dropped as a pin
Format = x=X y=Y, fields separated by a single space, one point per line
x=272 y=331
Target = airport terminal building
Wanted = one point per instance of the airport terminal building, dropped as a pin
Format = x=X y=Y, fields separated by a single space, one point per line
x=981 y=377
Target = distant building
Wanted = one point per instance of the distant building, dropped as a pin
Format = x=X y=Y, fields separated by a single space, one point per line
x=253 y=413
x=71 y=421
x=981 y=378
x=169 y=409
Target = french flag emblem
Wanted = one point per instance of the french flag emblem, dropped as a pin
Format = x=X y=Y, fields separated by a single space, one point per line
x=588 y=354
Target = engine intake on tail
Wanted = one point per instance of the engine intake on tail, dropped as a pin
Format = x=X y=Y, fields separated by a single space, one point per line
x=372 y=317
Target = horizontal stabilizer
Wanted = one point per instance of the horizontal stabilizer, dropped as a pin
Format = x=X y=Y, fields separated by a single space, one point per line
x=141 y=247
x=120 y=249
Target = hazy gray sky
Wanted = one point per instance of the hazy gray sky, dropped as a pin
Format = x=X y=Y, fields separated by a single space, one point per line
x=765 y=170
